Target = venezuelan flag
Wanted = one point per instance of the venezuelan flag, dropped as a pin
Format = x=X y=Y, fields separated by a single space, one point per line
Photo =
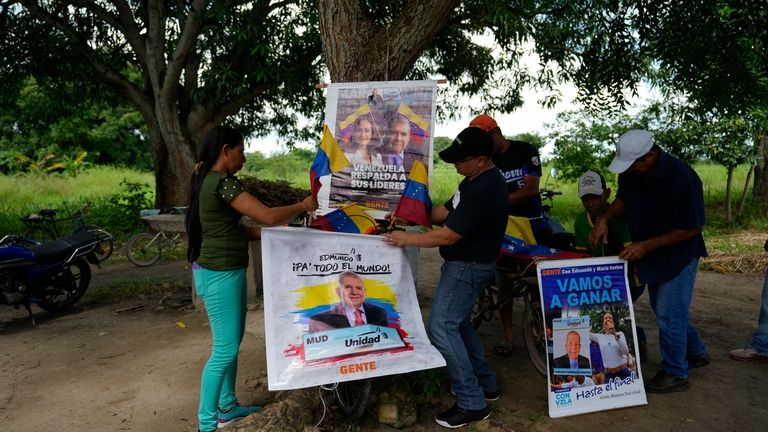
x=519 y=242
x=350 y=218
x=329 y=159
x=419 y=126
x=347 y=125
x=360 y=111
x=415 y=205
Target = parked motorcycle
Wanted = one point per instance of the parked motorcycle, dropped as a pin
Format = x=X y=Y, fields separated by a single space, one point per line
x=53 y=275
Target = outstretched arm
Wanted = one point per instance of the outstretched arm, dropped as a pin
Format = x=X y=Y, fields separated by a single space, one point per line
x=443 y=236
x=250 y=206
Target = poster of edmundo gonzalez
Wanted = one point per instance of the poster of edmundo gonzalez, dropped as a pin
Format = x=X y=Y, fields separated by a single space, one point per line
x=339 y=307
x=382 y=128
x=588 y=311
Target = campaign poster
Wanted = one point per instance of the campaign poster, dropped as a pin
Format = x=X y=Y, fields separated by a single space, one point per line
x=339 y=307
x=382 y=128
x=588 y=314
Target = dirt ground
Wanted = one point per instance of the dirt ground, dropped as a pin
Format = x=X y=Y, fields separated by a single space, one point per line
x=135 y=365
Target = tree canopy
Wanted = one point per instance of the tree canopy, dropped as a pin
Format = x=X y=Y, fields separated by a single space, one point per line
x=63 y=125
x=186 y=66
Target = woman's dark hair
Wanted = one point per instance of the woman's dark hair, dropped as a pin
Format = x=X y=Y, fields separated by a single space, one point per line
x=209 y=153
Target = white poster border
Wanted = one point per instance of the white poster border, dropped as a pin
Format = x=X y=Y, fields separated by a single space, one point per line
x=612 y=395
x=281 y=330
x=331 y=118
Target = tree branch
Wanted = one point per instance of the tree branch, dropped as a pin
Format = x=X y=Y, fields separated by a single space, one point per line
x=278 y=5
x=103 y=70
x=187 y=41
x=131 y=30
x=155 y=42
x=123 y=22
x=415 y=28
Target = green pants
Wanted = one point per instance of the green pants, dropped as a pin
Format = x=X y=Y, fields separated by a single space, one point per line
x=224 y=295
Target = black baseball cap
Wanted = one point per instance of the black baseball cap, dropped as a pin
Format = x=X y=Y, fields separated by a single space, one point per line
x=471 y=142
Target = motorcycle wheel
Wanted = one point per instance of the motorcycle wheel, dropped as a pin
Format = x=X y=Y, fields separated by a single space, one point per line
x=352 y=397
x=143 y=249
x=66 y=288
x=482 y=310
x=535 y=336
x=106 y=243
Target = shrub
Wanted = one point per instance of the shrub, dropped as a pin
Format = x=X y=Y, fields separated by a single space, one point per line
x=273 y=193
x=119 y=213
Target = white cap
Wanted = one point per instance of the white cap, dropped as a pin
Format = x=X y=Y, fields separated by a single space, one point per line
x=591 y=183
x=632 y=145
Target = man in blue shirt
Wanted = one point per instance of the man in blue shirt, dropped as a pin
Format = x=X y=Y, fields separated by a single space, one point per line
x=664 y=203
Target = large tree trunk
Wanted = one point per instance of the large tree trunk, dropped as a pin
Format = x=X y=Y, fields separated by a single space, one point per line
x=173 y=174
x=728 y=187
x=760 y=191
x=173 y=162
x=743 y=200
x=175 y=157
x=358 y=50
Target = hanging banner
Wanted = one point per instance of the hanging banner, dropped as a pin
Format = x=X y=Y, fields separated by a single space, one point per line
x=588 y=315
x=382 y=128
x=339 y=307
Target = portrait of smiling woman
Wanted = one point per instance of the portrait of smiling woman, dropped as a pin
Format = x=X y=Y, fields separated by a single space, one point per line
x=361 y=151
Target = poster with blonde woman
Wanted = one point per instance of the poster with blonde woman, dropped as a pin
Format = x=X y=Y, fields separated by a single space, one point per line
x=382 y=128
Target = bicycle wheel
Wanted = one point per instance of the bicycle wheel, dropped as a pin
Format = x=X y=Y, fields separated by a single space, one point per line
x=143 y=249
x=352 y=397
x=39 y=234
x=534 y=335
x=106 y=242
x=482 y=310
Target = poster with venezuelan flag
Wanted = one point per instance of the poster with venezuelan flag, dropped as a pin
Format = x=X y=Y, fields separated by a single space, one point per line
x=382 y=128
x=339 y=307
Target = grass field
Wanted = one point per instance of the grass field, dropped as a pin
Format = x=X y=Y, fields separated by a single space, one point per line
x=23 y=194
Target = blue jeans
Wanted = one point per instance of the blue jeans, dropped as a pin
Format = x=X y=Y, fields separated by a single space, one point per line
x=635 y=291
x=224 y=294
x=760 y=338
x=452 y=333
x=670 y=301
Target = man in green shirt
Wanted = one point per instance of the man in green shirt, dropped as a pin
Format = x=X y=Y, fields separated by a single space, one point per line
x=594 y=196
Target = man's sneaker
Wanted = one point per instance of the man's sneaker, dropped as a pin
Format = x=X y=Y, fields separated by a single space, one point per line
x=489 y=396
x=698 y=360
x=236 y=413
x=662 y=382
x=457 y=417
x=748 y=354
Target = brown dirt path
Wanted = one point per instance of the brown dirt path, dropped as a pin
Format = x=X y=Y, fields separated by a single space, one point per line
x=94 y=369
